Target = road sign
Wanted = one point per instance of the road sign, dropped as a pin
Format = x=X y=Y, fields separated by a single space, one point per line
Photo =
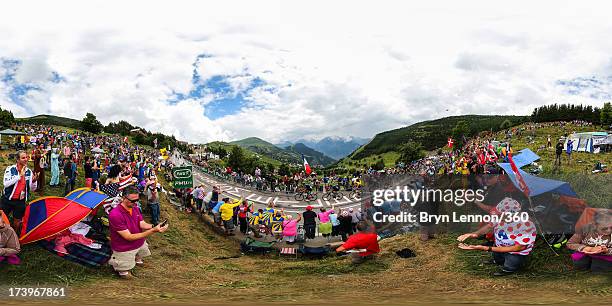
x=183 y=177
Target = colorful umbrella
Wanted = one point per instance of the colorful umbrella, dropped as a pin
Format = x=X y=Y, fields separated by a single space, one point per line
x=48 y=216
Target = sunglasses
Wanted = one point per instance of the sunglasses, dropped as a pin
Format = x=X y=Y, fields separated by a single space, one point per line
x=133 y=201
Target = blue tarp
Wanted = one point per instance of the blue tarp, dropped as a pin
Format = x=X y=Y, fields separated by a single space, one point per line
x=538 y=185
x=525 y=157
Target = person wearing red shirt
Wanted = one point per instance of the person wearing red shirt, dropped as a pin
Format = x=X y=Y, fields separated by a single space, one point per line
x=363 y=244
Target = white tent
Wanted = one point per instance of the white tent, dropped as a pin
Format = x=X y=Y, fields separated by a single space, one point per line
x=587 y=142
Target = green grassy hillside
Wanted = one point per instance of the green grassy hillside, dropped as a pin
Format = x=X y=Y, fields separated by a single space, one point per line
x=430 y=134
x=289 y=155
x=51 y=120
x=313 y=156
x=434 y=133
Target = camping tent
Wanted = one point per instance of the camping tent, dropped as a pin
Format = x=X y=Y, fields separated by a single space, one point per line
x=555 y=204
x=537 y=185
x=48 y=216
x=9 y=132
x=587 y=142
x=525 y=157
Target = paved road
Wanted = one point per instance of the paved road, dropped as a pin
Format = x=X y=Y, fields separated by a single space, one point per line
x=262 y=198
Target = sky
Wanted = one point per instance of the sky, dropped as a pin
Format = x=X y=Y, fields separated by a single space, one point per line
x=286 y=70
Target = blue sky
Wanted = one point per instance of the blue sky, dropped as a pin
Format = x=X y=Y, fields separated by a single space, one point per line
x=224 y=98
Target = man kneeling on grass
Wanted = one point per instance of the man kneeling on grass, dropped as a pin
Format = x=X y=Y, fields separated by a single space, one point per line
x=363 y=244
x=128 y=233
x=513 y=240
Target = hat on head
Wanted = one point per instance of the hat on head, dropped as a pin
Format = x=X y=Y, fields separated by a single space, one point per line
x=308 y=207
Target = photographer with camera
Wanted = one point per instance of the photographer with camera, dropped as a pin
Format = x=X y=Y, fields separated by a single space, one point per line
x=128 y=233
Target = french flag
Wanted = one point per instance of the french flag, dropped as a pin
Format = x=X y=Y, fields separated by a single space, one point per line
x=306 y=165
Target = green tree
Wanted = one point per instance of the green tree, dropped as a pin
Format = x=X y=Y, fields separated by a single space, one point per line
x=270 y=169
x=605 y=115
x=91 y=124
x=284 y=169
x=237 y=159
x=6 y=118
x=462 y=128
x=410 y=152
x=379 y=165
x=506 y=124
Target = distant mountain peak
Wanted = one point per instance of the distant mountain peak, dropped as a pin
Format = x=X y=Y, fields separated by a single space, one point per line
x=333 y=146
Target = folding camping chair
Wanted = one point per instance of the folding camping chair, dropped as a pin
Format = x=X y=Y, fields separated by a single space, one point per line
x=289 y=251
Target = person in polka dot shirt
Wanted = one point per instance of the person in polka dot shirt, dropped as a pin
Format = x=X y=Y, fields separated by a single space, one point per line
x=514 y=239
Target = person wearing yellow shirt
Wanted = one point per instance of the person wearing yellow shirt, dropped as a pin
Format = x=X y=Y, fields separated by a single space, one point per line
x=227 y=212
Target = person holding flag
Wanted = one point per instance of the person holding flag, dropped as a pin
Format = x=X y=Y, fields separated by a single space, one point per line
x=306 y=166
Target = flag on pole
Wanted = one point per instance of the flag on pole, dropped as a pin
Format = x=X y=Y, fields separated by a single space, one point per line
x=450 y=142
x=519 y=178
x=155 y=143
x=306 y=165
x=125 y=139
x=491 y=156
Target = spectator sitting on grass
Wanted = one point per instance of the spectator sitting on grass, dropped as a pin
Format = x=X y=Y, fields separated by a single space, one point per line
x=254 y=222
x=514 y=240
x=364 y=244
x=593 y=244
x=9 y=243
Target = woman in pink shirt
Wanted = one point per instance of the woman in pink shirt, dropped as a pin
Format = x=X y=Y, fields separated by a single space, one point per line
x=325 y=226
x=290 y=228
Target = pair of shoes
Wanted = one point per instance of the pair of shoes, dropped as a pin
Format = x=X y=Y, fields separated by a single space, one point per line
x=489 y=261
x=503 y=273
x=126 y=276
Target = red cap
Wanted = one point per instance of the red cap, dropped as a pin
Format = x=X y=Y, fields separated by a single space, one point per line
x=308 y=207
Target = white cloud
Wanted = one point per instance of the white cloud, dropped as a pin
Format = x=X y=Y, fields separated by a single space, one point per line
x=346 y=68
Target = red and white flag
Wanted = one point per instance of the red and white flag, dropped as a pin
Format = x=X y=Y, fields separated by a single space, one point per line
x=450 y=142
x=125 y=139
x=491 y=156
x=519 y=178
x=125 y=181
x=306 y=165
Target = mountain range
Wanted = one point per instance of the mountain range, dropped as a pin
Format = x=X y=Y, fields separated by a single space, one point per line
x=291 y=154
x=334 y=147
